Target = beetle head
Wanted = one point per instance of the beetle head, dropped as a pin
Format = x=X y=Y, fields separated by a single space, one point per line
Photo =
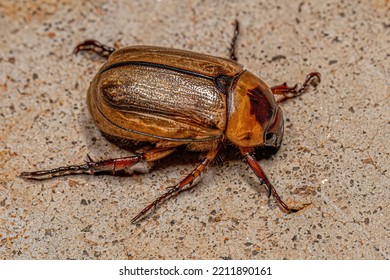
x=273 y=136
x=274 y=132
x=254 y=119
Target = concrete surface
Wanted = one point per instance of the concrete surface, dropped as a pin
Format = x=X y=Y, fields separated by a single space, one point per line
x=335 y=152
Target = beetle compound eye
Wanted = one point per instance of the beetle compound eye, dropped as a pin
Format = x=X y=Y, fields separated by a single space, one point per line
x=272 y=140
x=270 y=137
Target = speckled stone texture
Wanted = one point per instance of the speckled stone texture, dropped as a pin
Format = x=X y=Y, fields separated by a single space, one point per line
x=335 y=152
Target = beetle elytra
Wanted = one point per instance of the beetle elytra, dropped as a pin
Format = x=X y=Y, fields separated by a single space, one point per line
x=159 y=99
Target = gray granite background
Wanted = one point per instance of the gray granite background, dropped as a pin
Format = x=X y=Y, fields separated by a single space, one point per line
x=335 y=152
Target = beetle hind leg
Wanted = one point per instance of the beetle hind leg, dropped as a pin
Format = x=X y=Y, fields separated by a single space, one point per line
x=95 y=46
x=186 y=184
x=91 y=167
x=292 y=92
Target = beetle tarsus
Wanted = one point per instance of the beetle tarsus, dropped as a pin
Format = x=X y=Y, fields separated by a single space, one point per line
x=292 y=92
x=90 y=167
x=308 y=80
x=232 y=50
x=154 y=204
x=95 y=46
x=56 y=172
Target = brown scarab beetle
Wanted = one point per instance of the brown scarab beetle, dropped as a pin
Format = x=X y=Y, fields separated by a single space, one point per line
x=160 y=99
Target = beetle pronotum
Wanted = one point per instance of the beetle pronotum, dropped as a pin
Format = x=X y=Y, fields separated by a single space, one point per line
x=159 y=99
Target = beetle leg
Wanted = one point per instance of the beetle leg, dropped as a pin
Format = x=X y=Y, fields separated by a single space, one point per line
x=292 y=92
x=251 y=160
x=93 y=167
x=95 y=46
x=180 y=187
x=232 y=50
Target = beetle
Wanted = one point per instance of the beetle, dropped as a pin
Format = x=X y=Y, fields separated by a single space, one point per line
x=158 y=99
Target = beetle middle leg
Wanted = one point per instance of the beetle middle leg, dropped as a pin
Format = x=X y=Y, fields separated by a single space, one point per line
x=184 y=185
x=95 y=46
x=292 y=92
x=91 y=167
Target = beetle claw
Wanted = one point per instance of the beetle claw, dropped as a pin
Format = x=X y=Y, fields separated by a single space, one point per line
x=89 y=158
x=269 y=191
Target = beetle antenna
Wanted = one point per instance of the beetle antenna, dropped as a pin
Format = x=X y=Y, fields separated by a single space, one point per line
x=232 y=50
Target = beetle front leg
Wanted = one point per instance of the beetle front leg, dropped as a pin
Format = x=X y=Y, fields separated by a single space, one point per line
x=103 y=166
x=95 y=46
x=292 y=92
x=248 y=154
x=180 y=187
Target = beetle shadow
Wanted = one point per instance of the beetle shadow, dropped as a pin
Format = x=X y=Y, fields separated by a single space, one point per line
x=96 y=141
